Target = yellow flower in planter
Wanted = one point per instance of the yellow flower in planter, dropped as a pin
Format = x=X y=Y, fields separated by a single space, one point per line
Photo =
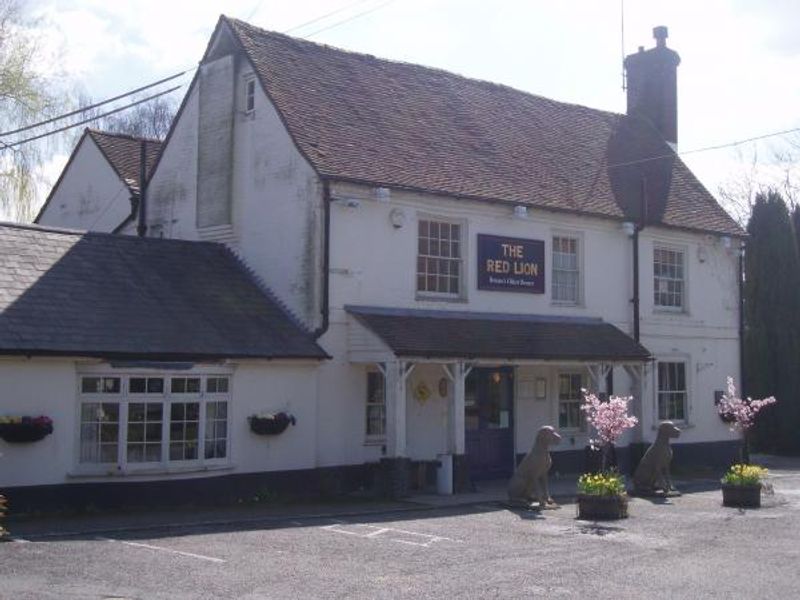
x=741 y=474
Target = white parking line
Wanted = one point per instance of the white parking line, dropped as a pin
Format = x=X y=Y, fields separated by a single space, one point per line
x=163 y=549
x=392 y=534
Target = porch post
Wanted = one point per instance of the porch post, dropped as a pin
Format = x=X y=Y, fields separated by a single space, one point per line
x=457 y=432
x=395 y=466
x=397 y=372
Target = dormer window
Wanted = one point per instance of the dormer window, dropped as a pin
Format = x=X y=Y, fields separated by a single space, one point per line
x=249 y=95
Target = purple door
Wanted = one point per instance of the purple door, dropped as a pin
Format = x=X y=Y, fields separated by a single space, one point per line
x=489 y=422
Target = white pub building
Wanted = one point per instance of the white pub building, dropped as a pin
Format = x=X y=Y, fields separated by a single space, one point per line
x=444 y=262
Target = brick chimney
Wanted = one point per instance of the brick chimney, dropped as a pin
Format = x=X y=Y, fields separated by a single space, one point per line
x=653 y=85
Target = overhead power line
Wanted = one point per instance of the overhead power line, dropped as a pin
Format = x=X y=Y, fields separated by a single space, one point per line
x=352 y=18
x=706 y=148
x=11 y=145
x=91 y=106
x=325 y=16
x=89 y=120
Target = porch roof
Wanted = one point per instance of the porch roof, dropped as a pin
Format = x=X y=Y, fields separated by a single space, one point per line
x=475 y=335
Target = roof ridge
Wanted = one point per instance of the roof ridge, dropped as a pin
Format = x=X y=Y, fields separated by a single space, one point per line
x=134 y=138
x=364 y=55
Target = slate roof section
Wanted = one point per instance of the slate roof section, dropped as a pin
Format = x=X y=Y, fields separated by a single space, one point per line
x=457 y=334
x=123 y=152
x=363 y=119
x=113 y=296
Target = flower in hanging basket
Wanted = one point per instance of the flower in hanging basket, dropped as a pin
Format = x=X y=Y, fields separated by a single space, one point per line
x=270 y=424
x=25 y=429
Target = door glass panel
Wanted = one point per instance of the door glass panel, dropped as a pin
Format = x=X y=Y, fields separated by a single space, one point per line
x=497 y=405
x=471 y=408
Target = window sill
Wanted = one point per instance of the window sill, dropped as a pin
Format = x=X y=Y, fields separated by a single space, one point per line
x=113 y=471
x=375 y=442
x=565 y=304
x=435 y=298
x=666 y=310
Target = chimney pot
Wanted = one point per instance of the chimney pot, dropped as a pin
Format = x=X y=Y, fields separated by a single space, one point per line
x=661 y=34
x=641 y=48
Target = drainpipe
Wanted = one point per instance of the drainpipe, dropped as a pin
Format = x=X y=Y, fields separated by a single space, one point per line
x=141 y=228
x=326 y=258
x=635 y=238
x=742 y=371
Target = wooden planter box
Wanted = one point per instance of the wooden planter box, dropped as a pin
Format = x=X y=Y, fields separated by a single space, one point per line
x=595 y=508
x=274 y=426
x=741 y=496
x=19 y=433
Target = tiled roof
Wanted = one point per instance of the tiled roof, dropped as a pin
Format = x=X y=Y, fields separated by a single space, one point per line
x=96 y=294
x=456 y=334
x=124 y=153
x=359 y=118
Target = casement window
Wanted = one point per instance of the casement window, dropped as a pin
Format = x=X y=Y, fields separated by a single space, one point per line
x=439 y=258
x=249 y=94
x=376 y=405
x=672 y=392
x=669 y=279
x=566 y=270
x=570 y=399
x=133 y=421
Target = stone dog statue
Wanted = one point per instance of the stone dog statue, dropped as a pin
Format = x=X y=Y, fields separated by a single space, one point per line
x=652 y=474
x=529 y=481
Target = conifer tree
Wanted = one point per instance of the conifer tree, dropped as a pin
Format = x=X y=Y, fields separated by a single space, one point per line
x=772 y=317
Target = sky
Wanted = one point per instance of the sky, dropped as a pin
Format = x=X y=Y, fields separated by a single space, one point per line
x=737 y=79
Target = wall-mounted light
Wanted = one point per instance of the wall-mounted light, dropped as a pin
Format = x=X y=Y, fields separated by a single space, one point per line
x=521 y=212
x=347 y=202
x=726 y=242
x=628 y=228
x=383 y=194
x=397 y=218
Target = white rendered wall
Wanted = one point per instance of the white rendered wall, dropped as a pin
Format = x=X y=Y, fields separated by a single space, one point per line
x=90 y=194
x=373 y=263
x=50 y=387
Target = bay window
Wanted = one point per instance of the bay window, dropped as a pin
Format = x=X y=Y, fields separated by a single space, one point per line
x=146 y=421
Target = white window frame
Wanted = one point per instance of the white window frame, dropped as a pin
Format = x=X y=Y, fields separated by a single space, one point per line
x=374 y=438
x=578 y=238
x=684 y=252
x=125 y=398
x=249 y=96
x=687 y=407
x=582 y=426
x=462 y=260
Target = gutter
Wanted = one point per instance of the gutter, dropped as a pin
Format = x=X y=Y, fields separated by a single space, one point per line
x=326 y=259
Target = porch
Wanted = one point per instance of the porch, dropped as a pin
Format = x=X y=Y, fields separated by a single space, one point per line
x=472 y=389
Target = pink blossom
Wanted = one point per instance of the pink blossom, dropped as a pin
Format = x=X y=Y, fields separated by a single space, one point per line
x=741 y=412
x=610 y=419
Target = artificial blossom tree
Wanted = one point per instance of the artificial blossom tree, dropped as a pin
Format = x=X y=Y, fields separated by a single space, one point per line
x=610 y=419
x=741 y=414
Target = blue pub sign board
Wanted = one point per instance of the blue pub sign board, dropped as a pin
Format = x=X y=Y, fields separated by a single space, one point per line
x=508 y=264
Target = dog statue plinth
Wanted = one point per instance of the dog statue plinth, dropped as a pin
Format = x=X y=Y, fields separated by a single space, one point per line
x=652 y=476
x=529 y=482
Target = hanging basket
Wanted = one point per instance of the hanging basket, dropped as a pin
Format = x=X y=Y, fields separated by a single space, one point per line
x=27 y=429
x=271 y=424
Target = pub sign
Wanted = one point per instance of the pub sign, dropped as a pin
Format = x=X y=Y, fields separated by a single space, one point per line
x=508 y=264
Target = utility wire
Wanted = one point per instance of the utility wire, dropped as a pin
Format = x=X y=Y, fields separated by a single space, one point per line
x=89 y=120
x=706 y=148
x=325 y=16
x=352 y=18
x=91 y=106
x=10 y=146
